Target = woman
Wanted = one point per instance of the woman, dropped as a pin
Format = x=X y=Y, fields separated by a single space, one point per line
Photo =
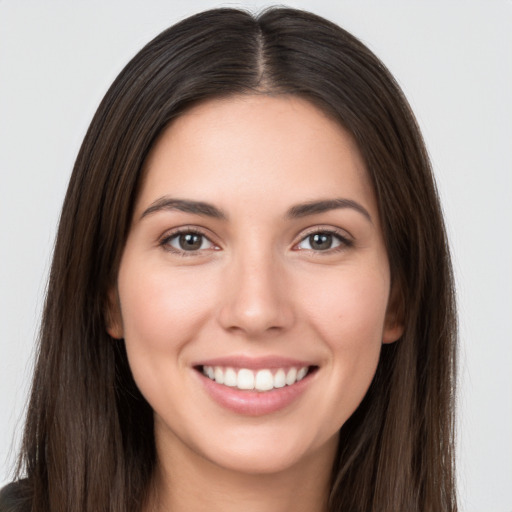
x=251 y=293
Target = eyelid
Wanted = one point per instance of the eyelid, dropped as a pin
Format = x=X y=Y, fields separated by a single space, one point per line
x=346 y=239
x=163 y=241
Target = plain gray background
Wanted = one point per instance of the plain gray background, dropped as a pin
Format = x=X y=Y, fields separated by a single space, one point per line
x=453 y=60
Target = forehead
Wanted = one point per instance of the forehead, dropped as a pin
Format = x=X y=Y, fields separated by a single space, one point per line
x=255 y=147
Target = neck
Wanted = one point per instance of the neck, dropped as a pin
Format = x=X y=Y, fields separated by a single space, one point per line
x=185 y=481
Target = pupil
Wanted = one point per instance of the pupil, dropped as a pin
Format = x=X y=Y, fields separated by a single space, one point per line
x=190 y=241
x=321 y=241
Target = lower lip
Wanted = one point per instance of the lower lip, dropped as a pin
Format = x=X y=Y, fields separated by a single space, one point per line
x=254 y=403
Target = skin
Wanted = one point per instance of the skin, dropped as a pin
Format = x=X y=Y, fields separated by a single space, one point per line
x=256 y=287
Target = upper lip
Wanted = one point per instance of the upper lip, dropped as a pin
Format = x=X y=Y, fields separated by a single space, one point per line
x=254 y=363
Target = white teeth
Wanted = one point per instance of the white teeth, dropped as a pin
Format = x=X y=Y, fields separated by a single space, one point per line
x=245 y=379
x=261 y=380
x=301 y=373
x=230 y=377
x=291 y=376
x=219 y=375
x=264 y=380
x=280 y=379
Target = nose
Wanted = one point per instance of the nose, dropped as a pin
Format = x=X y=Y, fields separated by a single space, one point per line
x=255 y=299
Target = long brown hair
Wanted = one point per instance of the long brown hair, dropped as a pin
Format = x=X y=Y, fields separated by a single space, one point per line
x=88 y=443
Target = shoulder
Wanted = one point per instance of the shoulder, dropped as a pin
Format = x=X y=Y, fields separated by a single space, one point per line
x=13 y=497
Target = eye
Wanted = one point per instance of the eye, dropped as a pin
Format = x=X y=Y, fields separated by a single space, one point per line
x=323 y=241
x=187 y=241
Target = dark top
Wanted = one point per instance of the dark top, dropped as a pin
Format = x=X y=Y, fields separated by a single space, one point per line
x=13 y=497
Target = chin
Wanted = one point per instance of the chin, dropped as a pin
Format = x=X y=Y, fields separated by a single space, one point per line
x=257 y=461
x=268 y=450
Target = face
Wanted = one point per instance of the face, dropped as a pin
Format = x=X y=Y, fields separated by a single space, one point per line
x=253 y=290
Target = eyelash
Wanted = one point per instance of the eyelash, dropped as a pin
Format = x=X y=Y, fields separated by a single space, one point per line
x=165 y=242
x=344 y=241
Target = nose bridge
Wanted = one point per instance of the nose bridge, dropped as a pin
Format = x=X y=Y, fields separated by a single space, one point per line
x=255 y=297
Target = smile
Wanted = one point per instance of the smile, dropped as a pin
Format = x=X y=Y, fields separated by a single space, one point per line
x=255 y=387
x=260 y=380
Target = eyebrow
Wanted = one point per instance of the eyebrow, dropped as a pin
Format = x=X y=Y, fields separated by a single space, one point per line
x=209 y=210
x=314 y=207
x=184 y=205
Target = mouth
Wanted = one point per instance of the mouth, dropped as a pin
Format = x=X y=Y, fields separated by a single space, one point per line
x=261 y=380
x=255 y=388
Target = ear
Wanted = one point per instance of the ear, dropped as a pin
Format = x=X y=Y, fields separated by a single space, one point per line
x=395 y=315
x=113 y=319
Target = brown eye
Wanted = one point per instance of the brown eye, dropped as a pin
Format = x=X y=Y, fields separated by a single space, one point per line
x=320 y=241
x=323 y=241
x=188 y=242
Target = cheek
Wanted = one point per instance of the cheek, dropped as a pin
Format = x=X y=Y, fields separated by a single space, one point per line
x=159 y=306
x=161 y=312
x=349 y=308
x=348 y=316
